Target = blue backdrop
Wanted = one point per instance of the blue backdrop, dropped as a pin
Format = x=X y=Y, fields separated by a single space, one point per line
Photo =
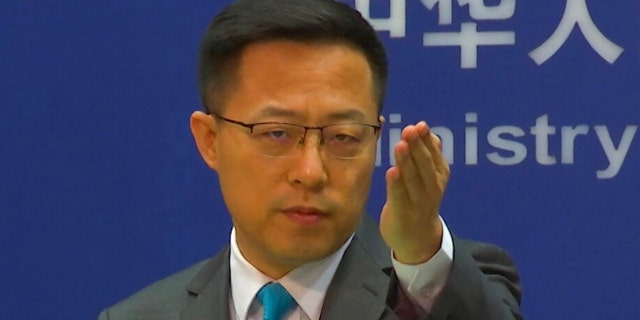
x=102 y=190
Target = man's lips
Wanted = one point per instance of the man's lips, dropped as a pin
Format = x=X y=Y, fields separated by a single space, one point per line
x=307 y=216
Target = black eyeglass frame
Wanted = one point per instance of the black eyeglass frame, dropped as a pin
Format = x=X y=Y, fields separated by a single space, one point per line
x=376 y=128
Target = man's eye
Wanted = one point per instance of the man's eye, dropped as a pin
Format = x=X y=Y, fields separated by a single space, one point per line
x=344 y=138
x=276 y=134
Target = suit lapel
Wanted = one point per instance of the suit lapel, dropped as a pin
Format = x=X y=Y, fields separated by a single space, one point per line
x=358 y=290
x=360 y=286
x=209 y=291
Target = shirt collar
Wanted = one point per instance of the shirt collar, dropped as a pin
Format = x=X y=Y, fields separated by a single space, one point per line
x=307 y=284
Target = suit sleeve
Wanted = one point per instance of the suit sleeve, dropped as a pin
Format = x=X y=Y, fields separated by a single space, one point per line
x=104 y=315
x=483 y=284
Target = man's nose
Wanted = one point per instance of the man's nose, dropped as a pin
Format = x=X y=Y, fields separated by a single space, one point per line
x=308 y=165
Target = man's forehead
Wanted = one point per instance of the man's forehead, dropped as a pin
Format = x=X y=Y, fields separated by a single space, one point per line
x=273 y=50
x=303 y=81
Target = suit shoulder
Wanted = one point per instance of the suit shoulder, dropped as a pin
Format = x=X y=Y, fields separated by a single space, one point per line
x=483 y=251
x=162 y=299
x=494 y=262
x=483 y=283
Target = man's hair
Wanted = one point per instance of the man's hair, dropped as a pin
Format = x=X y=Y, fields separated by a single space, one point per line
x=245 y=22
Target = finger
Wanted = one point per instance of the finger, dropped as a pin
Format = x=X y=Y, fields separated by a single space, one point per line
x=410 y=169
x=434 y=145
x=422 y=155
x=396 y=193
x=425 y=149
x=433 y=168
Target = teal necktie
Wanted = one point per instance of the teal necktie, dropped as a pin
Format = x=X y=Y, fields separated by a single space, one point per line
x=276 y=301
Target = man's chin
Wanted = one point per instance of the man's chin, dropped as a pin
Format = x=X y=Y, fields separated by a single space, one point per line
x=302 y=253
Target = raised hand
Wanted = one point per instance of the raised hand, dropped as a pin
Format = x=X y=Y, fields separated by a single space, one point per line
x=409 y=221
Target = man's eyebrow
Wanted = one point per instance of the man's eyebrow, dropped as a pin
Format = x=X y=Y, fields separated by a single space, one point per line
x=349 y=114
x=342 y=115
x=273 y=111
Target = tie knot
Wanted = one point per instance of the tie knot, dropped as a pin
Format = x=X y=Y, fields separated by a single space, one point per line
x=276 y=301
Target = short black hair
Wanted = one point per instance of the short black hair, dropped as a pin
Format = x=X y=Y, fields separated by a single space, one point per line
x=245 y=22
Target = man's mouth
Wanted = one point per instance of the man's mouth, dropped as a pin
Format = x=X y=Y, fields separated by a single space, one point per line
x=306 y=216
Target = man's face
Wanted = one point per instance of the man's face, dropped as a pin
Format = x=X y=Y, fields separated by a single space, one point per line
x=300 y=208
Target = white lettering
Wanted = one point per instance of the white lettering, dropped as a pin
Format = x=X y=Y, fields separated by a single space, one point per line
x=496 y=140
x=616 y=156
x=510 y=144
x=479 y=11
x=445 y=10
x=394 y=136
x=577 y=13
x=471 y=140
x=541 y=131
x=395 y=24
x=468 y=39
x=569 y=135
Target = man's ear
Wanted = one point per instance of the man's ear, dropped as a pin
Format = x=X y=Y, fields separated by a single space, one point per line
x=205 y=133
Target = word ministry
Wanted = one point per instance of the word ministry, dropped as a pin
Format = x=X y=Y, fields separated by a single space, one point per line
x=510 y=145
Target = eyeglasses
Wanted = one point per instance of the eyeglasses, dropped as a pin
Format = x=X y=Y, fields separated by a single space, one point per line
x=277 y=139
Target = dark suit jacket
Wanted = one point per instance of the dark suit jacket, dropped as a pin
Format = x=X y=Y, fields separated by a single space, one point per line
x=482 y=284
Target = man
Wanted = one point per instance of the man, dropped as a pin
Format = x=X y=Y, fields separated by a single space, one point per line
x=293 y=91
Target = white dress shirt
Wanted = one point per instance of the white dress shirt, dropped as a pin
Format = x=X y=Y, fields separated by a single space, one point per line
x=308 y=284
